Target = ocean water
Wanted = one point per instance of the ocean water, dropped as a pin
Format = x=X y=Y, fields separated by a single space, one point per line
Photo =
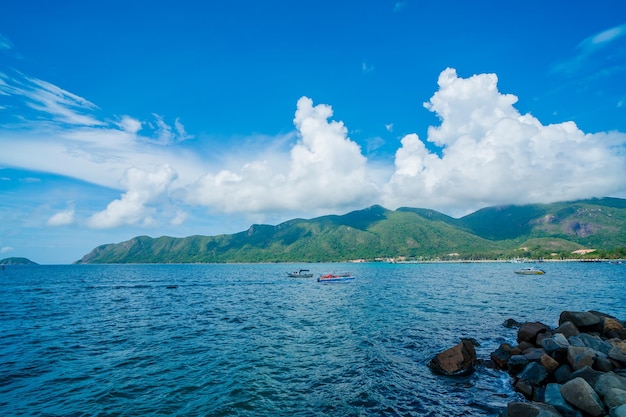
x=245 y=340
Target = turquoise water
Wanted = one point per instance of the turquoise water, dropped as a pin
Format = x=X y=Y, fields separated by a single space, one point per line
x=245 y=340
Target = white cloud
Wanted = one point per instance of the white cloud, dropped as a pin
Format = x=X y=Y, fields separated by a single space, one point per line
x=180 y=217
x=366 y=67
x=64 y=106
x=133 y=207
x=61 y=218
x=64 y=137
x=129 y=125
x=588 y=49
x=603 y=38
x=491 y=154
x=6 y=249
x=325 y=169
x=488 y=154
x=5 y=43
x=166 y=134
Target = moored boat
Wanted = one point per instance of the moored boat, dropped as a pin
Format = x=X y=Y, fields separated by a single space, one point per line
x=302 y=273
x=531 y=270
x=336 y=277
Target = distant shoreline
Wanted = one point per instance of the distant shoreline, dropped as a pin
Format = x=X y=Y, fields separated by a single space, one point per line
x=470 y=261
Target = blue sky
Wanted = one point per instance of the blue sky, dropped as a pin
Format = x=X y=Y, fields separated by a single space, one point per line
x=120 y=119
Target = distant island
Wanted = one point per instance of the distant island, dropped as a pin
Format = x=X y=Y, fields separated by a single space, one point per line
x=585 y=229
x=17 y=261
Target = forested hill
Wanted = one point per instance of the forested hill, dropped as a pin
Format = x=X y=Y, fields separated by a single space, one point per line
x=537 y=230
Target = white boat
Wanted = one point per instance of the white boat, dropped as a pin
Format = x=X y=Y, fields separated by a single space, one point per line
x=531 y=270
x=303 y=273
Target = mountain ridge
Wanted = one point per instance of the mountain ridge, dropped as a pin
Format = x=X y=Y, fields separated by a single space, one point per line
x=537 y=230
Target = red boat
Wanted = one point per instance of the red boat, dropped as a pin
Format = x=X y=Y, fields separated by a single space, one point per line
x=336 y=277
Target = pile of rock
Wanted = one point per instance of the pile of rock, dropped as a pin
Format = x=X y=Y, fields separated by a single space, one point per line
x=576 y=369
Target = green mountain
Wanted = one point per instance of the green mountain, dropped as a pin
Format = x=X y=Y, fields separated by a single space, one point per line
x=16 y=261
x=406 y=233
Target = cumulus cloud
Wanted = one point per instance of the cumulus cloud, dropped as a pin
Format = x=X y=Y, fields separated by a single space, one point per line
x=133 y=207
x=324 y=168
x=491 y=154
x=61 y=218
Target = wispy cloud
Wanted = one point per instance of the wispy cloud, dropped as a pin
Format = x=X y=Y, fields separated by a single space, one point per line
x=55 y=103
x=601 y=39
x=399 y=5
x=589 y=48
x=56 y=131
x=5 y=43
x=166 y=134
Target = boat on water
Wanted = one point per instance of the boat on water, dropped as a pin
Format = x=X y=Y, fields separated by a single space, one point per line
x=531 y=270
x=302 y=273
x=336 y=277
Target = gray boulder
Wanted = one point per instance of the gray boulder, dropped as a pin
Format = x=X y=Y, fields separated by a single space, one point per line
x=576 y=341
x=563 y=373
x=618 y=351
x=511 y=323
x=534 y=373
x=615 y=397
x=529 y=331
x=557 y=341
x=585 y=321
x=618 y=411
x=554 y=398
x=595 y=343
x=567 y=329
x=522 y=409
x=579 y=393
x=608 y=381
x=579 y=357
x=588 y=374
x=517 y=363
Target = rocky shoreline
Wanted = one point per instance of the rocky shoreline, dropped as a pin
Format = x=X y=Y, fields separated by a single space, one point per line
x=577 y=369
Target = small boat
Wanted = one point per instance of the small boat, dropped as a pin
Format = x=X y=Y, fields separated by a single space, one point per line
x=531 y=270
x=303 y=273
x=336 y=277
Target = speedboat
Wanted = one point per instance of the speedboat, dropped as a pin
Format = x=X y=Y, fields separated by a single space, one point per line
x=531 y=270
x=336 y=277
x=303 y=273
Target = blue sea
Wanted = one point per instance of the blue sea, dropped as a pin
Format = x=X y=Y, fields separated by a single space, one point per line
x=245 y=340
